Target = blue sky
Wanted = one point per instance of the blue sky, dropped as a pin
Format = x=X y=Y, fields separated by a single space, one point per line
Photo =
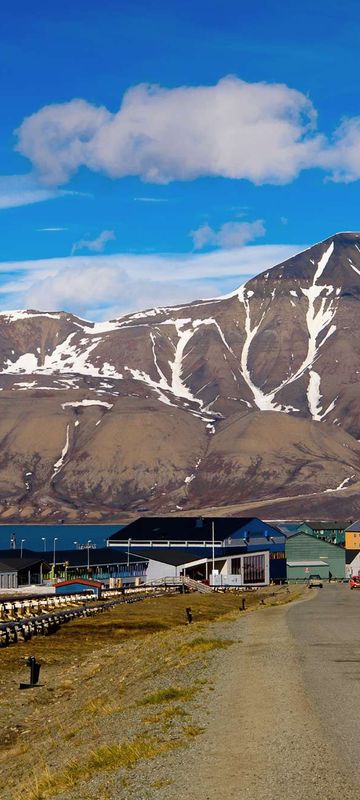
x=114 y=197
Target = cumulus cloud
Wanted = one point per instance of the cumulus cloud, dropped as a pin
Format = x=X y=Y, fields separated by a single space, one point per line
x=342 y=156
x=259 y=131
x=94 y=245
x=229 y=235
x=105 y=286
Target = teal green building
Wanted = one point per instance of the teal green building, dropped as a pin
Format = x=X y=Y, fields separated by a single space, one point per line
x=330 y=531
x=306 y=555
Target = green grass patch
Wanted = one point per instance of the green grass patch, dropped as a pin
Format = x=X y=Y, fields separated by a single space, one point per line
x=167 y=695
x=202 y=645
x=192 y=730
x=100 y=705
x=165 y=715
x=160 y=784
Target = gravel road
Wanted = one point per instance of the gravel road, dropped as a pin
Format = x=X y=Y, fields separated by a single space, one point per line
x=327 y=635
x=281 y=700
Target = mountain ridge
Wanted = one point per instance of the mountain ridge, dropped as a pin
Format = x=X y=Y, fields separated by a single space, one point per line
x=136 y=410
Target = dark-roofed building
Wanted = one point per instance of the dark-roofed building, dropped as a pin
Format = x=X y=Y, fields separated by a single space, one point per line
x=18 y=571
x=352 y=559
x=194 y=539
x=232 y=567
x=194 y=532
x=333 y=531
x=99 y=563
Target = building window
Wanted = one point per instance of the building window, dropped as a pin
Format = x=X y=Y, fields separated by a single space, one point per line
x=254 y=569
x=236 y=566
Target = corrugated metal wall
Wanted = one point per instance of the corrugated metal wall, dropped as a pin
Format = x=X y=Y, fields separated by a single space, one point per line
x=8 y=580
x=303 y=547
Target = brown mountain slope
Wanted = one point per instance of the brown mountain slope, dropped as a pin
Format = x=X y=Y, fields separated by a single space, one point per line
x=250 y=398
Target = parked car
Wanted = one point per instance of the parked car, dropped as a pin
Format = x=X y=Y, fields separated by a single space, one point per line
x=355 y=582
x=314 y=581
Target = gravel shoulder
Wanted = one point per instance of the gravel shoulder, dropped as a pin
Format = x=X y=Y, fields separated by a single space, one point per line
x=262 y=735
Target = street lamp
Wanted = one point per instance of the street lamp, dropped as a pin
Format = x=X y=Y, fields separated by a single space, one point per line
x=88 y=553
x=21 y=547
x=76 y=544
x=128 y=556
x=43 y=539
x=54 y=562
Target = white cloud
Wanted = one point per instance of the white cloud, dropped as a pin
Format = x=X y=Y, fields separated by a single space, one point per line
x=23 y=190
x=259 y=131
x=151 y=200
x=229 y=235
x=51 y=230
x=103 y=286
x=95 y=245
x=342 y=156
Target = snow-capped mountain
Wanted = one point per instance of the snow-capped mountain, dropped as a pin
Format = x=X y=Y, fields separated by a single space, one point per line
x=249 y=401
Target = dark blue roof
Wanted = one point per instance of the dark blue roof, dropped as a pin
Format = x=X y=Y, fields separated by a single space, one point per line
x=193 y=529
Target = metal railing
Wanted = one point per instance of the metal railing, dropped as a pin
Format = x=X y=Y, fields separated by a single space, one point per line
x=23 y=628
x=180 y=581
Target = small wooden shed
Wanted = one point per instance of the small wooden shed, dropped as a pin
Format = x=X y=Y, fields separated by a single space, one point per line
x=78 y=585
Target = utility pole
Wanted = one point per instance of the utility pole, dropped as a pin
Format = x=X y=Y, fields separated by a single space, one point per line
x=54 y=553
x=213 y=550
x=88 y=555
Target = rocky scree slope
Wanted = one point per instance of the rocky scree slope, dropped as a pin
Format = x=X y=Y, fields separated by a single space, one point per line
x=248 y=397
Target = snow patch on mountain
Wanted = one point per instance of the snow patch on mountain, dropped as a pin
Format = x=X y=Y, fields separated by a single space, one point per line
x=60 y=462
x=79 y=403
x=314 y=395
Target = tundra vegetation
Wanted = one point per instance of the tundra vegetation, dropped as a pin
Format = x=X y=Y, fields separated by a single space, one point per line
x=117 y=691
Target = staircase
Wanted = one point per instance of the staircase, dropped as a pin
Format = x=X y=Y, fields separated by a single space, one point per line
x=190 y=583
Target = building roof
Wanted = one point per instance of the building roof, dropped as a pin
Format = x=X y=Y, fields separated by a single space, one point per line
x=189 y=529
x=6 y=568
x=175 y=556
x=76 y=581
x=325 y=525
x=323 y=542
x=312 y=563
x=350 y=555
x=16 y=564
x=355 y=526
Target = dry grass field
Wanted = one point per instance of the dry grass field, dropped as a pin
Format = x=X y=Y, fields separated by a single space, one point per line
x=117 y=689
